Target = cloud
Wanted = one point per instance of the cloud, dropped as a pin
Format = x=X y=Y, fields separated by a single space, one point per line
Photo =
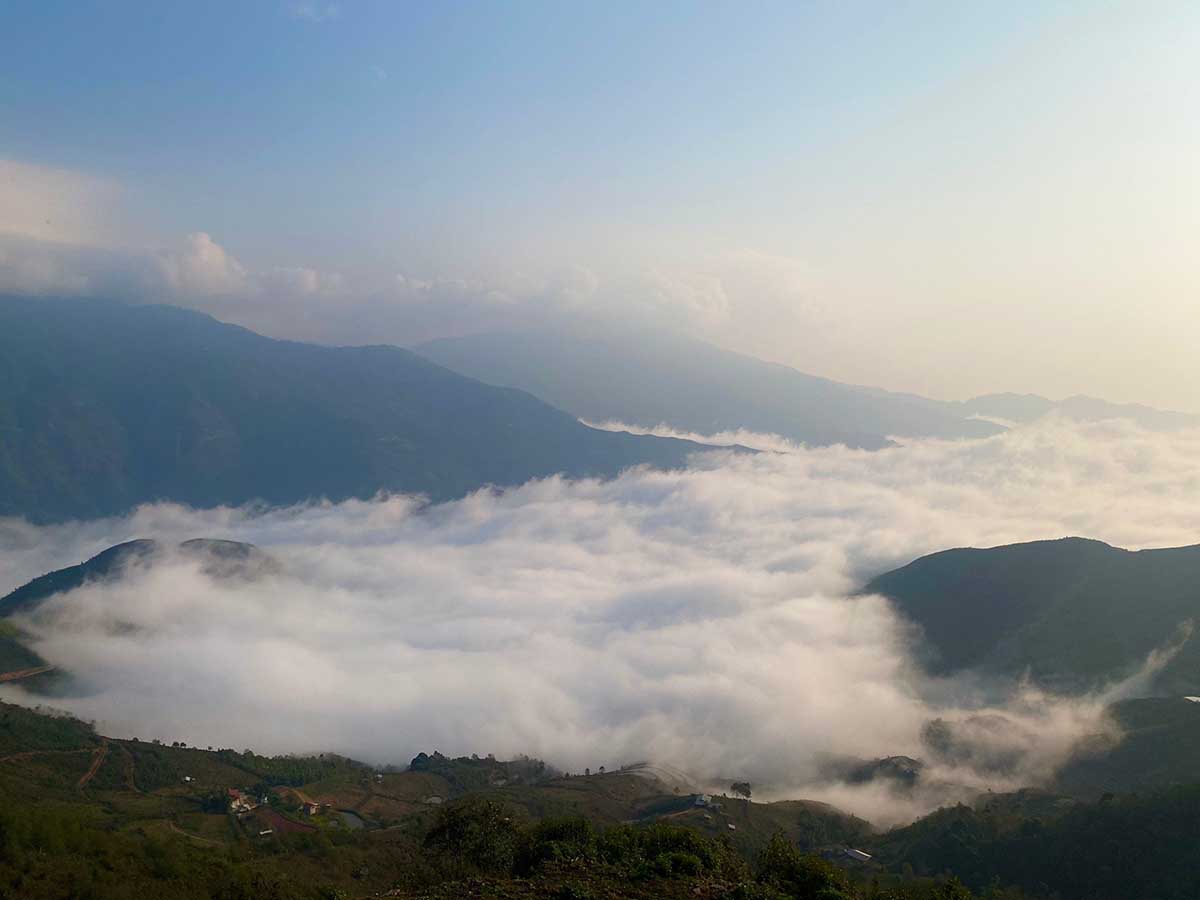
x=740 y=437
x=701 y=617
x=60 y=206
x=63 y=233
x=202 y=267
x=311 y=11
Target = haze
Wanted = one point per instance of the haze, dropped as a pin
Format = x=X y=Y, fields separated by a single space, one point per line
x=947 y=199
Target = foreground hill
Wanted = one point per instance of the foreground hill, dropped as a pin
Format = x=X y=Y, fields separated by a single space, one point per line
x=83 y=815
x=1072 y=612
x=693 y=386
x=104 y=406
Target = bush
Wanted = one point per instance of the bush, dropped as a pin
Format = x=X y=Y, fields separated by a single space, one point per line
x=677 y=863
x=480 y=834
x=782 y=866
x=558 y=841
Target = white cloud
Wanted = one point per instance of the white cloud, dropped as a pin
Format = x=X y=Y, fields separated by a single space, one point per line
x=60 y=233
x=700 y=617
x=312 y=11
x=202 y=267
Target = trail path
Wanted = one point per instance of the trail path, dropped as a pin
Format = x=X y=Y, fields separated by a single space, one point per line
x=18 y=674
x=97 y=762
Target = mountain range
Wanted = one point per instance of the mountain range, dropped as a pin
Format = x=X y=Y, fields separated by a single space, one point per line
x=656 y=379
x=104 y=406
x=1030 y=407
x=653 y=379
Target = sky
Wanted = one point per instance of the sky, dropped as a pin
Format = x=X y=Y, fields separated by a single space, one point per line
x=943 y=198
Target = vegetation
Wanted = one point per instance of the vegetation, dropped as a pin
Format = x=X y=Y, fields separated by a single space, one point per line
x=83 y=816
x=1073 y=613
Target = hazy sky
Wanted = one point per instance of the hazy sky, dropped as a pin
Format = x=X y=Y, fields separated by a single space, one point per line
x=947 y=198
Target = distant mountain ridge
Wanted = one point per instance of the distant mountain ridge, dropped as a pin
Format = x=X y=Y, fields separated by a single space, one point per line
x=648 y=380
x=1030 y=407
x=655 y=379
x=1072 y=612
x=104 y=406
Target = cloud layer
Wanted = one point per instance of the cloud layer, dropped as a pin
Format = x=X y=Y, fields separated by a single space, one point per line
x=702 y=617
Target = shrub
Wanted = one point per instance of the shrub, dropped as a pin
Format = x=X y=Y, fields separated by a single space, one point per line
x=481 y=834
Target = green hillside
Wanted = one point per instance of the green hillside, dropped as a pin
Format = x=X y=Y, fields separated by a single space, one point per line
x=82 y=815
x=1072 y=612
x=1157 y=746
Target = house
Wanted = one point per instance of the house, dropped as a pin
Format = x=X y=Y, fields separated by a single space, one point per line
x=857 y=855
x=311 y=809
x=701 y=800
x=435 y=800
x=239 y=802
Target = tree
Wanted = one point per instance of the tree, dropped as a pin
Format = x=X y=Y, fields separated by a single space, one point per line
x=741 y=788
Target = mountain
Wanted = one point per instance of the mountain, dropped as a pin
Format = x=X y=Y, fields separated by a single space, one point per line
x=647 y=380
x=1072 y=612
x=1157 y=745
x=218 y=559
x=104 y=406
x=1029 y=407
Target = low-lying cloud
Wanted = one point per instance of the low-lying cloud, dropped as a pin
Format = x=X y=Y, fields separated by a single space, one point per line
x=704 y=618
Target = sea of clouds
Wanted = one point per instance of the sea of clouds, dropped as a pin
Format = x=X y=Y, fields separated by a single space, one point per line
x=705 y=618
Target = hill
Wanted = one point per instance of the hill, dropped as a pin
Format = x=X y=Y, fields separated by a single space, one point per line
x=217 y=558
x=104 y=406
x=1071 y=612
x=82 y=814
x=1029 y=407
x=1115 y=848
x=647 y=380
x=1158 y=746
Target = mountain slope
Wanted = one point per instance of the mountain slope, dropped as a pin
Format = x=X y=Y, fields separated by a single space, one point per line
x=1029 y=407
x=1073 y=612
x=217 y=559
x=104 y=406
x=692 y=386
x=1157 y=746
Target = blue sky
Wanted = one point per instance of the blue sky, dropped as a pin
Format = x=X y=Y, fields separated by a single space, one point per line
x=855 y=167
